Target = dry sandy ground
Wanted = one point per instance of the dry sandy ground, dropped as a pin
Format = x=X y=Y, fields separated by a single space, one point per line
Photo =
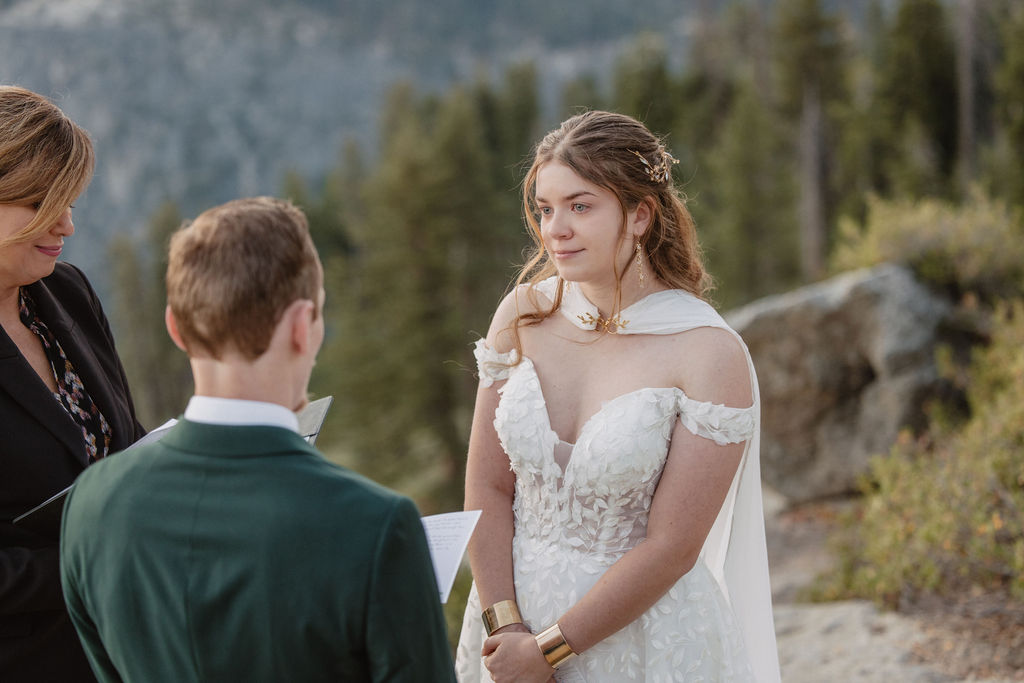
x=855 y=642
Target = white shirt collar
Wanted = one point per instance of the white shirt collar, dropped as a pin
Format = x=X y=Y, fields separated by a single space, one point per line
x=238 y=412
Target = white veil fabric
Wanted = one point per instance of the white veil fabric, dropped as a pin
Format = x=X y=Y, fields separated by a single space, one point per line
x=735 y=549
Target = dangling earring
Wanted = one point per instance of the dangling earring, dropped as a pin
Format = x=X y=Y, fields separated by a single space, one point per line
x=639 y=264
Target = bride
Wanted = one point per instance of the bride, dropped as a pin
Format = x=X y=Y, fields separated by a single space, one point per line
x=614 y=447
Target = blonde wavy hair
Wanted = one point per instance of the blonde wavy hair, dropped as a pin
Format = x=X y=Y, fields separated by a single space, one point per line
x=46 y=159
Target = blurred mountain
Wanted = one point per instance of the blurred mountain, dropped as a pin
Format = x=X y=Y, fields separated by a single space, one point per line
x=198 y=102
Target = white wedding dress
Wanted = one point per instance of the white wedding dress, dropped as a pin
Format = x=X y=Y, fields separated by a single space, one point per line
x=579 y=507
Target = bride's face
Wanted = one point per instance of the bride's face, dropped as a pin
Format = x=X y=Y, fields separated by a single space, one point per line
x=581 y=225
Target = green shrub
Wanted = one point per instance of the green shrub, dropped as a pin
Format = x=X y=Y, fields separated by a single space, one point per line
x=977 y=246
x=456 y=605
x=944 y=512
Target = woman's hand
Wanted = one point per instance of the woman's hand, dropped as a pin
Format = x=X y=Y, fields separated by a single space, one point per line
x=512 y=656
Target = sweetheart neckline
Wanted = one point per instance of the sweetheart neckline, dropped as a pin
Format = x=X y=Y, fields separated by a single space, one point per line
x=604 y=405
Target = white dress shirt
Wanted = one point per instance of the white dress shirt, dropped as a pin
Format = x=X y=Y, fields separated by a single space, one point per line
x=238 y=412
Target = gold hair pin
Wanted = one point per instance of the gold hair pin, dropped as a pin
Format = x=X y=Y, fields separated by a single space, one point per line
x=661 y=172
x=611 y=325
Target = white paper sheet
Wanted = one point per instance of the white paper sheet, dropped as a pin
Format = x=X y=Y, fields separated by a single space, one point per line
x=448 y=535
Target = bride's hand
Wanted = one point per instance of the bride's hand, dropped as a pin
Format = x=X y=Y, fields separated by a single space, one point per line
x=512 y=656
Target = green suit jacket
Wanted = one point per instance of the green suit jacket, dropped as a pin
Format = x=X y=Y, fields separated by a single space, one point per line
x=241 y=554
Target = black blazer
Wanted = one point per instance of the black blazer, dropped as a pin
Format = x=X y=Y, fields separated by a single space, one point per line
x=41 y=453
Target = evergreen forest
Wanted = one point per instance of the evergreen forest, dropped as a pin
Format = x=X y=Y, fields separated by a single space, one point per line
x=810 y=141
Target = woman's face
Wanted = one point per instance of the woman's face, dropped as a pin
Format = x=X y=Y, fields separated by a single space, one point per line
x=581 y=225
x=23 y=263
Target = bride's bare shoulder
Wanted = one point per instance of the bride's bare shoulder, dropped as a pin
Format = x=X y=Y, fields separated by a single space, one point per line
x=522 y=300
x=713 y=367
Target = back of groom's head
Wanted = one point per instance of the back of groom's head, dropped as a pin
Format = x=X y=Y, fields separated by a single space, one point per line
x=234 y=270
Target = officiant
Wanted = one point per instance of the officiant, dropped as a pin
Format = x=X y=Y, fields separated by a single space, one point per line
x=64 y=399
x=232 y=550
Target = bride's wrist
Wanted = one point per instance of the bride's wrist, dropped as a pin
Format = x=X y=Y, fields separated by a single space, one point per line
x=499 y=615
x=554 y=647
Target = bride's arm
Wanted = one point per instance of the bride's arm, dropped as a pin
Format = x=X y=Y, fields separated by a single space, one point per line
x=693 y=486
x=490 y=485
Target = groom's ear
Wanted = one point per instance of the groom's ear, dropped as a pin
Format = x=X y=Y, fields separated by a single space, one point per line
x=299 y=317
x=172 y=329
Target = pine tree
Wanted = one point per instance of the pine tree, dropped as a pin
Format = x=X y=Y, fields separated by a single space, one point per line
x=811 y=78
x=517 y=115
x=158 y=372
x=917 y=83
x=864 y=141
x=425 y=275
x=1006 y=158
x=967 y=87
x=745 y=212
x=706 y=88
x=642 y=84
x=509 y=118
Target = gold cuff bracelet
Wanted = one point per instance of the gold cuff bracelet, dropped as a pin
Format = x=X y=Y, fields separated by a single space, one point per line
x=501 y=614
x=553 y=646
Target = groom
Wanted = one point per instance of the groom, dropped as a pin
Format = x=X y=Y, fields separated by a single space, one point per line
x=231 y=550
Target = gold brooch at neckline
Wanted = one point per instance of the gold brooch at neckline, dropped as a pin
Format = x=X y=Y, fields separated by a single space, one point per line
x=611 y=325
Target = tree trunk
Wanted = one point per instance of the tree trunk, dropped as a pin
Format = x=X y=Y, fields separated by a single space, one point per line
x=966 y=141
x=812 y=186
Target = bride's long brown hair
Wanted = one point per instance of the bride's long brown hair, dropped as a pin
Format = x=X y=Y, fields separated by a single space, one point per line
x=620 y=154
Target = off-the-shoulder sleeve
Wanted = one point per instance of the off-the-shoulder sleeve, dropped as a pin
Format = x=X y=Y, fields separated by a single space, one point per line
x=722 y=424
x=492 y=365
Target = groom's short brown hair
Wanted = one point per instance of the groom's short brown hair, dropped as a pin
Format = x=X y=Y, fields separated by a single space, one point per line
x=233 y=271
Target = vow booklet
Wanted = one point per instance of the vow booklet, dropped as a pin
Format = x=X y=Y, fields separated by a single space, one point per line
x=311 y=418
x=448 y=535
